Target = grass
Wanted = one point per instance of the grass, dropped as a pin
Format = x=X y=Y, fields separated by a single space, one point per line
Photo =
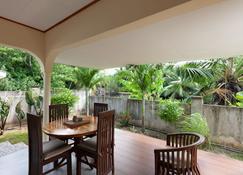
x=15 y=136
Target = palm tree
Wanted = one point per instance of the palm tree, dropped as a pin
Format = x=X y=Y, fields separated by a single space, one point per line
x=144 y=82
x=87 y=78
x=228 y=80
x=184 y=80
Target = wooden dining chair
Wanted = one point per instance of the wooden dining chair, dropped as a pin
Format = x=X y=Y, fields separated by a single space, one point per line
x=100 y=148
x=58 y=111
x=41 y=154
x=100 y=107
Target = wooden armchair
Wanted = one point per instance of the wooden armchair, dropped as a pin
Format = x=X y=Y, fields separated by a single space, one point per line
x=100 y=148
x=181 y=155
x=41 y=154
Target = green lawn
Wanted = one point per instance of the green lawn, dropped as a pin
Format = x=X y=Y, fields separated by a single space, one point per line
x=14 y=137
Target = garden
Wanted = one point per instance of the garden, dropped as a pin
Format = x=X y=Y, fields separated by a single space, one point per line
x=154 y=94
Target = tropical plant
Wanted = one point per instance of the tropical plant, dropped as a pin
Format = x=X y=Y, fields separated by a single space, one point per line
x=195 y=123
x=186 y=79
x=23 y=70
x=170 y=110
x=144 y=82
x=35 y=100
x=228 y=80
x=87 y=78
x=64 y=96
x=4 y=111
x=63 y=76
x=20 y=115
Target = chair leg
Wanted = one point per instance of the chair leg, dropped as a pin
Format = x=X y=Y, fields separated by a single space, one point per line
x=55 y=164
x=78 y=165
x=69 y=164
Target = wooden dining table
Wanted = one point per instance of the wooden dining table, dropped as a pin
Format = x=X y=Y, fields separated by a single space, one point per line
x=59 y=129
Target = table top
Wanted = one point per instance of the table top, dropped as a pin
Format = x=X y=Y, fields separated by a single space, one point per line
x=60 y=130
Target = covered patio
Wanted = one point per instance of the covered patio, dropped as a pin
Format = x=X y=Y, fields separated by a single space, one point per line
x=106 y=34
x=133 y=155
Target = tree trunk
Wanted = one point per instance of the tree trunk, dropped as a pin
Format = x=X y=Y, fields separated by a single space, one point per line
x=87 y=101
x=143 y=114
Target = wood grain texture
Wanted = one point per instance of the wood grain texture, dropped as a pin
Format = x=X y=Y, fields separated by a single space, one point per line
x=59 y=130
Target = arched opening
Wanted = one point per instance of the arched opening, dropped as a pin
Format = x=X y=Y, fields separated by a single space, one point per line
x=21 y=91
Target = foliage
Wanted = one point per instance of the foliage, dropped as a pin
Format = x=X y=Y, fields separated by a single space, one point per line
x=87 y=78
x=183 y=80
x=23 y=71
x=19 y=113
x=170 y=110
x=4 y=111
x=228 y=80
x=63 y=76
x=195 y=123
x=124 y=119
x=15 y=137
x=143 y=81
x=64 y=96
x=35 y=100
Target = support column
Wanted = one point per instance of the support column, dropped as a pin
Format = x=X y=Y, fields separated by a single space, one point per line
x=47 y=96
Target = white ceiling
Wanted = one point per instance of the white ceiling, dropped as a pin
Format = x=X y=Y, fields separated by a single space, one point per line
x=213 y=31
x=40 y=14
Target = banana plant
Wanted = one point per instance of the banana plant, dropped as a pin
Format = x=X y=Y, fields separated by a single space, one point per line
x=20 y=115
x=4 y=111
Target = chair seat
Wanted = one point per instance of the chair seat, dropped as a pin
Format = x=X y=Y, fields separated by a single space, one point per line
x=54 y=148
x=88 y=146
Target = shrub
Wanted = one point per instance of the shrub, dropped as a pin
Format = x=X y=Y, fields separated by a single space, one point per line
x=195 y=123
x=170 y=110
x=64 y=96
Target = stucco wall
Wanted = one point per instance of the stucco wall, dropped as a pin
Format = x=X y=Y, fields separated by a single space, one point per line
x=225 y=123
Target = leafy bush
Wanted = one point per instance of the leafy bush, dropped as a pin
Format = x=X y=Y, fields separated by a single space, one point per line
x=64 y=96
x=4 y=111
x=170 y=110
x=195 y=123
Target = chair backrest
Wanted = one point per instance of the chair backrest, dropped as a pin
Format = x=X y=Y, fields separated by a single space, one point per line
x=105 y=142
x=100 y=107
x=58 y=111
x=184 y=139
x=35 y=144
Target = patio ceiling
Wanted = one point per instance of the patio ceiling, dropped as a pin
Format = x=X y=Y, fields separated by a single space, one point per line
x=212 y=31
x=40 y=14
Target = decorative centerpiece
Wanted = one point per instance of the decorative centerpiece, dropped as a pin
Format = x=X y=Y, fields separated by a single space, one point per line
x=77 y=119
x=76 y=122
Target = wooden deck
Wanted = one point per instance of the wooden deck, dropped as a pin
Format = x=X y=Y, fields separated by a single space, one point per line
x=133 y=156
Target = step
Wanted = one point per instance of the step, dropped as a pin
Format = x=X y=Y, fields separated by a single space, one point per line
x=8 y=148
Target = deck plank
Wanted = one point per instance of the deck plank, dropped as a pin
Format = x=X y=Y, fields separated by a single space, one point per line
x=133 y=156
